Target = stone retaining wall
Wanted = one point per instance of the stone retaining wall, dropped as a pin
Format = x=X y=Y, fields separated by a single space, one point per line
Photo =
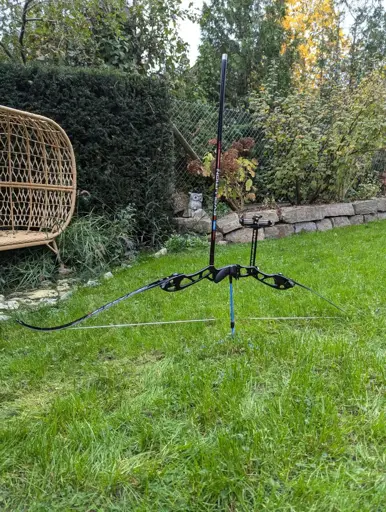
x=289 y=220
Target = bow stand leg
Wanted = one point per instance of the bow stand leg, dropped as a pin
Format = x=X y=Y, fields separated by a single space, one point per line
x=231 y=306
x=255 y=224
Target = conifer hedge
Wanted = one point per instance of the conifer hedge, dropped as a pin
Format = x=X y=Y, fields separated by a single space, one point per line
x=119 y=127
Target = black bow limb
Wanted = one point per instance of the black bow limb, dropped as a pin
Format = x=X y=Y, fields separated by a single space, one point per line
x=106 y=306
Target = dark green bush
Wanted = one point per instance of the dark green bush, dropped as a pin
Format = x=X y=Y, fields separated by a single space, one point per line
x=119 y=127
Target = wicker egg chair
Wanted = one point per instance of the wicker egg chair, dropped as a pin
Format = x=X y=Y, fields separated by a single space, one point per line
x=37 y=180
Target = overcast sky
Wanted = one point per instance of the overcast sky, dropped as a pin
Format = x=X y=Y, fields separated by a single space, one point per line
x=190 y=32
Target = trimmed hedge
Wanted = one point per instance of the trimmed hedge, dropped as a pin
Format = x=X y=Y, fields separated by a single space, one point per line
x=119 y=127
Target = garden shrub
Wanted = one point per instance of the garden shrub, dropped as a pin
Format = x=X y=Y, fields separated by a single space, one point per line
x=119 y=127
x=91 y=244
x=238 y=169
x=320 y=144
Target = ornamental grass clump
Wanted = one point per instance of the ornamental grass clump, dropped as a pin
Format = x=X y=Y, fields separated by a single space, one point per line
x=94 y=242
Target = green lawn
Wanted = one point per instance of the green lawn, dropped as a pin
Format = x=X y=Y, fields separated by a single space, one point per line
x=284 y=417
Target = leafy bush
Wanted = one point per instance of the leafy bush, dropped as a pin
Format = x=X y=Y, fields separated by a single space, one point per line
x=179 y=243
x=321 y=144
x=222 y=208
x=365 y=191
x=237 y=172
x=90 y=244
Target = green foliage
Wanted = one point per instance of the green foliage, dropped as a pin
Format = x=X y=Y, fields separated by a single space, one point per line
x=59 y=31
x=302 y=41
x=94 y=242
x=222 y=208
x=26 y=269
x=367 y=38
x=179 y=243
x=365 y=191
x=120 y=128
x=140 y=36
x=252 y=34
x=238 y=169
x=89 y=245
x=321 y=146
x=272 y=41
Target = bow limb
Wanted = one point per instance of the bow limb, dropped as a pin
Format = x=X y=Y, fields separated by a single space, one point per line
x=178 y=282
x=145 y=288
x=280 y=282
x=277 y=281
x=173 y=283
x=318 y=295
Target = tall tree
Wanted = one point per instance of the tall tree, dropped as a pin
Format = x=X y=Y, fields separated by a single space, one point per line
x=255 y=34
x=315 y=29
x=229 y=26
x=136 y=35
x=367 y=21
x=275 y=56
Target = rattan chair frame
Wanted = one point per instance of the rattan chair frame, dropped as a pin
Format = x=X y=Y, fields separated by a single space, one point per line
x=37 y=180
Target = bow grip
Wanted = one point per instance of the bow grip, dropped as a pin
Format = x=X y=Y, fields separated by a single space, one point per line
x=229 y=270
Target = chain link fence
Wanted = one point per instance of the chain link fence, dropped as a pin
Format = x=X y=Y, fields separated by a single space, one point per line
x=195 y=124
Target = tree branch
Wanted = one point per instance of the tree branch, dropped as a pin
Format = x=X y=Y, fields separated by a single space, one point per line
x=348 y=8
x=363 y=152
x=24 y=21
x=6 y=51
x=31 y=5
x=184 y=143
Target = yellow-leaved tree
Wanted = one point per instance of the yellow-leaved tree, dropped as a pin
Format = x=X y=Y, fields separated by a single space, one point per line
x=314 y=28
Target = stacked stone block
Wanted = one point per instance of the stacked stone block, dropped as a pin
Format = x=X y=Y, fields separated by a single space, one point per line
x=292 y=220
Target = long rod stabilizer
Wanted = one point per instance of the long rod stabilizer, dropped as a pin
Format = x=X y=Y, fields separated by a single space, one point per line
x=224 y=62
